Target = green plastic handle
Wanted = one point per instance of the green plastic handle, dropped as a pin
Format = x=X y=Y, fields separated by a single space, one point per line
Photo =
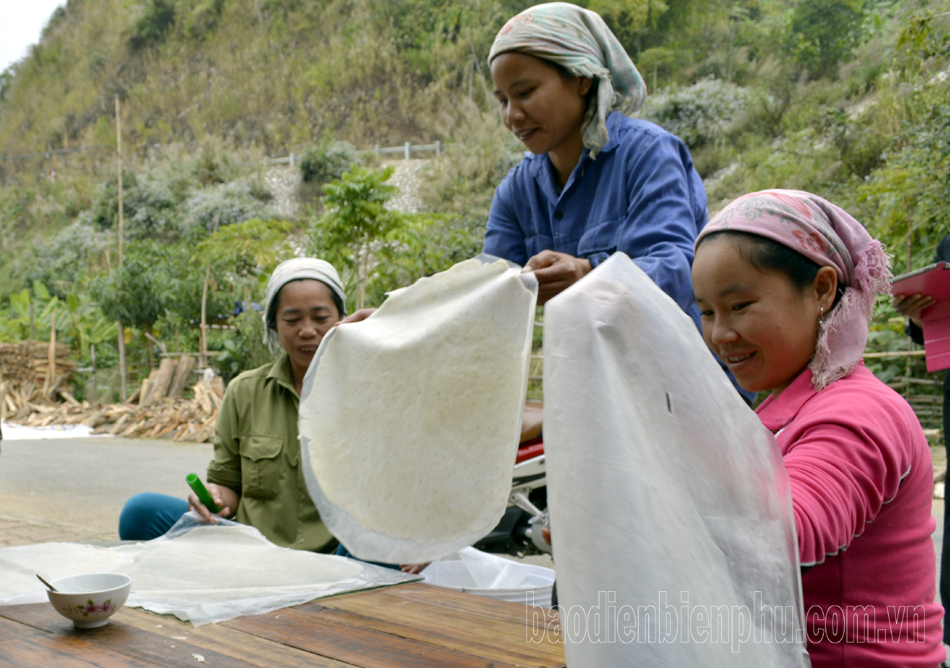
x=202 y=493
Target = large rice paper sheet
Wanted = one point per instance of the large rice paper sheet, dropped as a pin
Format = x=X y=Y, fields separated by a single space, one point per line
x=671 y=513
x=410 y=420
x=202 y=573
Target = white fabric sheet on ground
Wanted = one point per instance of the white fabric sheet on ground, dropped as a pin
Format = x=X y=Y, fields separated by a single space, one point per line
x=666 y=493
x=410 y=420
x=475 y=572
x=16 y=432
x=199 y=573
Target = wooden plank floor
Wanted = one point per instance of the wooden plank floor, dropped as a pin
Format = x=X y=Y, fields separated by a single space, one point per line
x=411 y=625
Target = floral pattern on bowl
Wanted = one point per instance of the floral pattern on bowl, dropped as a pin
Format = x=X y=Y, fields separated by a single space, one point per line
x=90 y=608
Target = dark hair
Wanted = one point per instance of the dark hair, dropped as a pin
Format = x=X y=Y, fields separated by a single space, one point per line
x=560 y=68
x=563 y=71
x=271 y=316
x=767 y=255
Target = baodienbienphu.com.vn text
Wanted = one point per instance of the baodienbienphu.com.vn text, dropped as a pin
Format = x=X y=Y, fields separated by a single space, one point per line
x=679 y=621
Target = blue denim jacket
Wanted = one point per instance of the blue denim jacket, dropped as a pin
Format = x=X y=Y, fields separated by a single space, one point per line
x=641 y=196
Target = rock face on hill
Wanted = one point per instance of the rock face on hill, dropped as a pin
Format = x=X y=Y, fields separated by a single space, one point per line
x=283 y=181
x=408 y=177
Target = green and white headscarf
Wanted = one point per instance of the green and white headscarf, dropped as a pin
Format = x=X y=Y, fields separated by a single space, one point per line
x=579 y=41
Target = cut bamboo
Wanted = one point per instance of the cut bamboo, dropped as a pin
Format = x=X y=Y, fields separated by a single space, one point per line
x=182 y=373
x=51 y=370
x=160 y=380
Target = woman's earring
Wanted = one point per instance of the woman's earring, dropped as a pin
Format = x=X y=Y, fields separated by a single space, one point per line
x=821 y=316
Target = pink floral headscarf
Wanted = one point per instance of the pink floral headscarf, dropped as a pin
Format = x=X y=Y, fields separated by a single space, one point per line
x=830 y=237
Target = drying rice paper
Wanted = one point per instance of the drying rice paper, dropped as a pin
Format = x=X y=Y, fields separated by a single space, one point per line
x=198 y=572
x=671 y=514
x=410 y=419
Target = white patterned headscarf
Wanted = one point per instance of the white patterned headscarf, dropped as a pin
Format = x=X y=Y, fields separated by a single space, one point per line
x=295 y=270
x=578 y=40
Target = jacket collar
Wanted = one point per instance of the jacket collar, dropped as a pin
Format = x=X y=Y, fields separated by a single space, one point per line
x=280 y=373
x=777 y=412
x=540 y=165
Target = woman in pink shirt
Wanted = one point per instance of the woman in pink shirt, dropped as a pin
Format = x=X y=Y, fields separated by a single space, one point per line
x=785 y=282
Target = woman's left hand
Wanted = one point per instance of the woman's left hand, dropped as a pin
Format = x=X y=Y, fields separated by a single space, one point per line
x=413 y=569
x=912 y=306
x=556 y=272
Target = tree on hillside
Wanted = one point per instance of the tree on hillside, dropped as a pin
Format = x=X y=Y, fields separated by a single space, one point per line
x=910 y=192
x=823 y=33
x=154 y=24
x=238 y=259
x=630 y=20
x=355 y=218
x=242 y=255
x=155 y=277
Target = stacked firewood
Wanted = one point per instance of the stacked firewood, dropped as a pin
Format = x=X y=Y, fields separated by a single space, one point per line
x=26 y=374
x=156 y=410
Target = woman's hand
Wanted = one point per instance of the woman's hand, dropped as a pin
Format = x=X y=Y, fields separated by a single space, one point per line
x=224 y=497
x=913 y=306
x=356 y=316
x=413 y=569
x=556 y=272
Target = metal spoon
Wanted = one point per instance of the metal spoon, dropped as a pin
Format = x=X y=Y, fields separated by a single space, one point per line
x=51 y=587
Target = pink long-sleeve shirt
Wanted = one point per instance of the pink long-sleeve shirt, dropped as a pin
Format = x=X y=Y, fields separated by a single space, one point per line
x=862 y=487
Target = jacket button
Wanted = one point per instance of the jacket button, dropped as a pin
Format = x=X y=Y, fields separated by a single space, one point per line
x=558 y=215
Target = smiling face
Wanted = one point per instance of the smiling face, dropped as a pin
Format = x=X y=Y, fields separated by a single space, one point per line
x=762 y=325
x=305 y=312
x=541 y=106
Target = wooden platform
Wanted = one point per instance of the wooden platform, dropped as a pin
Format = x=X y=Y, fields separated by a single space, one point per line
x=413 y=625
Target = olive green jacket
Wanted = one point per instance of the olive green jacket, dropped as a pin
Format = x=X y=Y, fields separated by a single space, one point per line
x=257 y=453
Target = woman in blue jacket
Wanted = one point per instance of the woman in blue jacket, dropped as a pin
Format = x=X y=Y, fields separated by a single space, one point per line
x=597 y=181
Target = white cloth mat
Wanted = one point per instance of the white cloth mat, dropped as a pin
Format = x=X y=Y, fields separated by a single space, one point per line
x=196 y=572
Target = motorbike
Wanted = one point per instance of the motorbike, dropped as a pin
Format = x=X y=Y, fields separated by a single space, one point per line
x=519 y=531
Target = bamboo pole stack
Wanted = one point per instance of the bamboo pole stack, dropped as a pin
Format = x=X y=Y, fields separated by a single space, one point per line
x=175 y=419
x=156 y=410
x=33 y=371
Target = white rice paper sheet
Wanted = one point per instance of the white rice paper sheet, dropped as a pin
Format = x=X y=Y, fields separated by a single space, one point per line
x=666 y=493
x=197 y=572
x=410 y=419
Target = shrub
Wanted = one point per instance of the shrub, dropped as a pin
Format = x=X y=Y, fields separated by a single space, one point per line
x=325 y=162
x=104 y=213
x=210 y=209
x=823 y=33
x=699 y=114
x=150 y=208
x=244 y=349
x=153 y=26
x=61 y=261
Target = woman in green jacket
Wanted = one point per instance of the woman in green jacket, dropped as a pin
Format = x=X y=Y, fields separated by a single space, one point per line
x=255 y=476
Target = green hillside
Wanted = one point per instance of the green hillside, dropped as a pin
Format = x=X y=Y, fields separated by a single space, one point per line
x=846 y=98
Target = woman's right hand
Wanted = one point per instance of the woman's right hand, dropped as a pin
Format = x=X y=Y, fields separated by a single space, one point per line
x=913 y=306
x=556 y=272
x=224 y=497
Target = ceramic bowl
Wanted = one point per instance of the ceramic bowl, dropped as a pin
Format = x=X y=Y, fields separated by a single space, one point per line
x=89 y=600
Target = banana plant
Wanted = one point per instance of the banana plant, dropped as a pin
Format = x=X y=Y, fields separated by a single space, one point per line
x=79 y=320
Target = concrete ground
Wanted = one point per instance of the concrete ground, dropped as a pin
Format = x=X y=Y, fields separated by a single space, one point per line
x=74 y=489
